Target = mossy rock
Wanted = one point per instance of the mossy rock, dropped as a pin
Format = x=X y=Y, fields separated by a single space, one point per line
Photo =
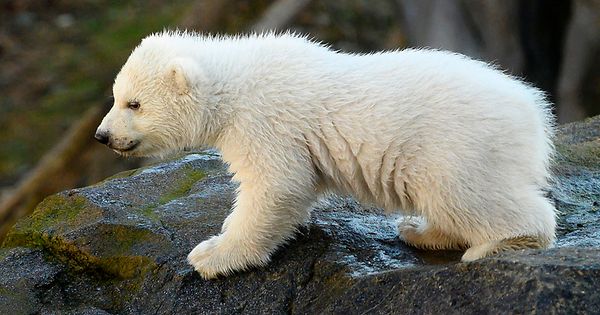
x=90 y=231
x=120 y=247
x=77 y=233
x=578 y=143
x=576 y=187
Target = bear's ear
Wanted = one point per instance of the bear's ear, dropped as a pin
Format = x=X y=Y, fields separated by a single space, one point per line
x=183 y=74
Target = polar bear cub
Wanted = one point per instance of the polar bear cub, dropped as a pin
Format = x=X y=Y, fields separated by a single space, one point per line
x=459 y=147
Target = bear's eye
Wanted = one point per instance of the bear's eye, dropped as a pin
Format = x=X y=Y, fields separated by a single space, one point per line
x=133 y=105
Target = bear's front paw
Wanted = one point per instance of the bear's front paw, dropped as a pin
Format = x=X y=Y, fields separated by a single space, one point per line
x=217 y=256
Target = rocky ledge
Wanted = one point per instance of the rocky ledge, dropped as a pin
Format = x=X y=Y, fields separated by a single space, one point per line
x=119 y=247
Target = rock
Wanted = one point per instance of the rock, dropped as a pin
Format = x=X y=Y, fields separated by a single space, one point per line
x=577 y=184
x=120 y=246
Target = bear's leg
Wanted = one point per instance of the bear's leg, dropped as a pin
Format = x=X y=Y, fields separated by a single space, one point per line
x=415 y=231
x=535 y=228
x=494 y=247
x=251 y=233
x=272 y=202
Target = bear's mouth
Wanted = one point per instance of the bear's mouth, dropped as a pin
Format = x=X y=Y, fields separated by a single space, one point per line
x=131 y=146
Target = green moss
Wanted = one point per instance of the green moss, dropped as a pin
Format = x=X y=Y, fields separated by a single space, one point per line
x=183 y=185
x=59 y=215
x=120 y=264
x=56 y=212
x=148 y=212
x=125 y=266
x=124 y=239
x=3 y=253
x=56 y=215
x=4 y=291
x=180 y=188
x=585 y=154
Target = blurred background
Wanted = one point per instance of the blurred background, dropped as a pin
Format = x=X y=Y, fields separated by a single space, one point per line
x=58 y=60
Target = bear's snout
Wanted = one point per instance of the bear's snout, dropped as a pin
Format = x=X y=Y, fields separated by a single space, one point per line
x=102 y=137
x=118 y=144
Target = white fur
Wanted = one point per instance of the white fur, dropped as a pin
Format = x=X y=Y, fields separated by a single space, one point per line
x=429 y=133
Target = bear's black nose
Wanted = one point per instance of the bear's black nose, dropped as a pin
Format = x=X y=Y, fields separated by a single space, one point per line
x=102 y=137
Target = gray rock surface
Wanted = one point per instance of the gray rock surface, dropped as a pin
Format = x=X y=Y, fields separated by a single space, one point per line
x=119 y=247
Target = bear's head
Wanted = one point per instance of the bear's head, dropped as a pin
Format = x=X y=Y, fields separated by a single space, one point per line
x=161 y=104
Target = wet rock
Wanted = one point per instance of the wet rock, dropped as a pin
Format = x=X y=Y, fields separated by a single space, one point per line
x=24 y=273
x=577 y=185
x=120 y=247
